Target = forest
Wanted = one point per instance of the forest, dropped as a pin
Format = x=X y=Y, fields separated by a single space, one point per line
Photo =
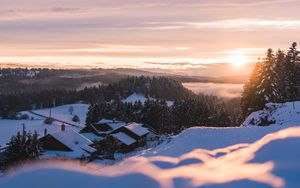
x=275 y=78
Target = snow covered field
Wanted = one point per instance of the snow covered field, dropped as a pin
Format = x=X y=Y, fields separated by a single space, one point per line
x=247 y=157
x=271 y=161
x=11 y=127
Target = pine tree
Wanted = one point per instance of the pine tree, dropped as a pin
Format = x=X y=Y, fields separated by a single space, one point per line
x=267 y=90
x=22 y=147
x=292 y=72
x=276 y=79
x=250 y=100
x=281 y=76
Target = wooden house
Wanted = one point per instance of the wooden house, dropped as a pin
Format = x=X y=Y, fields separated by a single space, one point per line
x=67 y=144
x=135 y=131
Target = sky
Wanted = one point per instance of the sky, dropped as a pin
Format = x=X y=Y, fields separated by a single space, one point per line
x=180 y=35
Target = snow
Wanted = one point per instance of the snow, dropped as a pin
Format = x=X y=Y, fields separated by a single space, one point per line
x=269 y=161
x=124 y=138
x=72 y=139
x=135 y=97
x=62 y=113
x=285 y=114
x=248 y=156
x=92 y=137
x=112 y=123
x=137 y=129
x=11 y=127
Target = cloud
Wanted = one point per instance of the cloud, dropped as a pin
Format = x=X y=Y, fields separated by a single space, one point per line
x=172 y=64
x=240 y=24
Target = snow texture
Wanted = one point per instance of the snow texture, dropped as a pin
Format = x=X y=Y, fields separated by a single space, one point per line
x=249 y=156
x=74 y=141
x=135 y=97
x=137 y=129
x=124 y=138
x=285 y=114
x=112 y=124
x=11 y=127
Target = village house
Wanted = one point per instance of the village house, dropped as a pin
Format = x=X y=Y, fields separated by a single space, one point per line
x=126 y=136
x=101 y=129
x=135 y=131
x=66 y=143
x=103 y=134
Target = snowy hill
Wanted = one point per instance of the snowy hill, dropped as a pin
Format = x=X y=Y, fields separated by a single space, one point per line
x=247 y=156
x=238 y=158
x=286 y=114
x=11 y=127
x=62 y=113
x=135 y=97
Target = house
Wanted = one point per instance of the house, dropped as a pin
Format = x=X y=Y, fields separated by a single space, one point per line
x=66 y=144
x=103 y=127
x=126 y=136
x=135 y=131
x=125 y=142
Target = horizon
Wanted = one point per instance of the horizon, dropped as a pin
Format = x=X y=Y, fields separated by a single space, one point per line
x=170 y=35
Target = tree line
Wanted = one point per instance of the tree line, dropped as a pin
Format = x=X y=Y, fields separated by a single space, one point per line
x=159 y=87
x=197 y=110
x=275 y=78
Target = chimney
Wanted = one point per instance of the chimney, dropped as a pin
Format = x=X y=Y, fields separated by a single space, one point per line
x=45 y=132
x=63 y=127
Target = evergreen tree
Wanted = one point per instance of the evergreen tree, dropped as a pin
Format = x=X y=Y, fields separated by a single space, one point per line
x=276 y=79
x=281 y=76
x=21 y=148
x=266 y=89
x=292 y=72
x=250 y=100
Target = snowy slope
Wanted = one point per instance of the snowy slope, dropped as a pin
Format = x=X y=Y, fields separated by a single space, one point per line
x=286 y=114
x=62 y=113
x=247 y=157
x=135 y=97
x=11 y=127
x=270 y=161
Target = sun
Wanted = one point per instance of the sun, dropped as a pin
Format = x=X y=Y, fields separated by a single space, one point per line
x=237 y=59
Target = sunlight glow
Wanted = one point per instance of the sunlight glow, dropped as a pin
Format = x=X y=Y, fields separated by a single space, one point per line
x=238 y=59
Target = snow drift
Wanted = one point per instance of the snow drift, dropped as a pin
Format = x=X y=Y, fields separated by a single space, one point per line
x=248 y=156
x=271 y=161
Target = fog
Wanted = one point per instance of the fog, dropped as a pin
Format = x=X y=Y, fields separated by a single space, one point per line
x=225 y=90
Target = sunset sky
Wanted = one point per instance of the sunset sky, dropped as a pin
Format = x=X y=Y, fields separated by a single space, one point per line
x=171 y=34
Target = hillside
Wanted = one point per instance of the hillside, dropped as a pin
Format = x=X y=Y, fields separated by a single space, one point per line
x=11 y=127
x=198 y=157
x=285 y=114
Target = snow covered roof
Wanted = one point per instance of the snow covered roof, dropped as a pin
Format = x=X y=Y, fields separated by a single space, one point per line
x=75 y=141
x=124 y=138
x=112 y=123
x=137 y=129
x=135 y=97
x=92 y=136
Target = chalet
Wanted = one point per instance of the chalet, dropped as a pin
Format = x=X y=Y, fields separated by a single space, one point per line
x=126 y=136
x=66 y=144
x=102 y=128
x=125 y=142
x=135 y=131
